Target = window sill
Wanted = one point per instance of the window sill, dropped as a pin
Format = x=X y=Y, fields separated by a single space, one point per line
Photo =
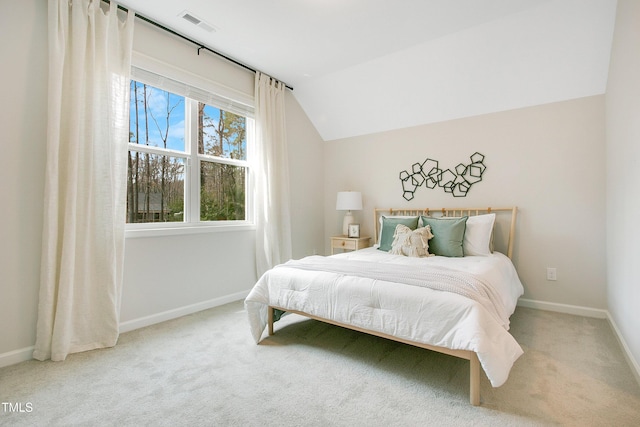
x=154 y=230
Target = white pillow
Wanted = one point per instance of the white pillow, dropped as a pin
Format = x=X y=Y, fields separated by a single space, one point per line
x=478 y=234
x=412 y=243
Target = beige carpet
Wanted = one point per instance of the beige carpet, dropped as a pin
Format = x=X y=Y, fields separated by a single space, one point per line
x=205 y=370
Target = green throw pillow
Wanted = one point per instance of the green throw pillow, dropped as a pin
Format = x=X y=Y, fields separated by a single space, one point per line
x=389 y=228
x=448 y=235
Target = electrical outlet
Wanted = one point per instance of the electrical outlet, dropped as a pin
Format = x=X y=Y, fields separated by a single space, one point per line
x=551 y=274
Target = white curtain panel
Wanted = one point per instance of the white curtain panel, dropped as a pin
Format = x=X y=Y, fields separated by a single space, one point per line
x=87 y=136
x=271 y=176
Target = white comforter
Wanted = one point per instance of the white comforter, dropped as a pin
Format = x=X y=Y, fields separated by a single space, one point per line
x=408 y=311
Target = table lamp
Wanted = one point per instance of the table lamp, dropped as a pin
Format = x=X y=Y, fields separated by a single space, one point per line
x=348 y=201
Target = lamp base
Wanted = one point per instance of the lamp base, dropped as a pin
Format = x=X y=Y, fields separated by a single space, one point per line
x=348 y=219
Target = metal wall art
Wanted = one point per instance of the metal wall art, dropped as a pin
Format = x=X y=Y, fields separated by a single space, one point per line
x=430 y=175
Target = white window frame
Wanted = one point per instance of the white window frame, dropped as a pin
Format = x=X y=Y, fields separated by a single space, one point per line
x=157 y=74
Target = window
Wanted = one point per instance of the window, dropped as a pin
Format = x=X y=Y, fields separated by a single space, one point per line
x=188 y=160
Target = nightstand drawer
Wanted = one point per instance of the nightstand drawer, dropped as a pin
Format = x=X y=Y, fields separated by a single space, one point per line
x=349 y=243
x=345 y=244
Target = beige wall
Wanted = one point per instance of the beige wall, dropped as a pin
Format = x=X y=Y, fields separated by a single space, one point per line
x=548 y=160
x=623 y=177
x=23 y=115
x=306 y=170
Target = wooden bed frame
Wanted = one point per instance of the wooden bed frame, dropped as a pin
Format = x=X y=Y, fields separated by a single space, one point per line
x=506 y=247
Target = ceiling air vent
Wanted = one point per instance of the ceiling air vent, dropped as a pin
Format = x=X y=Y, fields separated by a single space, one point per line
x=188 y=16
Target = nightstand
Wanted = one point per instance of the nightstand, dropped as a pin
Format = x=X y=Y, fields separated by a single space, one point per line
x=349 y=243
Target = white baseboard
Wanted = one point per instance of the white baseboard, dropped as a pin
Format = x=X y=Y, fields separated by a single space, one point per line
x=587 y=312
x=563 y=308
x=24 y=354
x=142 y=322
x=635 y=366
x=16 y=356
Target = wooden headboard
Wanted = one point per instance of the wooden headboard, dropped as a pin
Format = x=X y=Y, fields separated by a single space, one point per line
x=504 y=230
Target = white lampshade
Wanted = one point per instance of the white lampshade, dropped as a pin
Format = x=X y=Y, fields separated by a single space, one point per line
x=348 y=201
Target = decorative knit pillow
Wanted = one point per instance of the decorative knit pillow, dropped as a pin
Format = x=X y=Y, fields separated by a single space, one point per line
x=413 y=243
x=389 y=226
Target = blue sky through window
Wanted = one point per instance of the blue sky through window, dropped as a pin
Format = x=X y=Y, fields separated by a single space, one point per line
x=159 y=121
x=163 y=120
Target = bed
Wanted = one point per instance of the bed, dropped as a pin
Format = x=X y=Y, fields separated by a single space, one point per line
x=452 y=304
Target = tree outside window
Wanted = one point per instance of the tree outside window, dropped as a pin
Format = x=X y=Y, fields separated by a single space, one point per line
x=162 y=153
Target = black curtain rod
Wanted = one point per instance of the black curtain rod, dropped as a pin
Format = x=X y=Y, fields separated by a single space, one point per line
x=200 y=45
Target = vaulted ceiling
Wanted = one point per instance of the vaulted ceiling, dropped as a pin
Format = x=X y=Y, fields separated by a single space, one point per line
x=365 y=66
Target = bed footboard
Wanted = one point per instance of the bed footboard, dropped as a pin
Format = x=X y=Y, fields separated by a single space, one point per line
x=472 y=357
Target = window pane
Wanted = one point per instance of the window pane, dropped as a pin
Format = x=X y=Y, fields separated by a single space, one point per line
x=222 y=192
x=155 y=188
x=156 y=117
x=221 y=133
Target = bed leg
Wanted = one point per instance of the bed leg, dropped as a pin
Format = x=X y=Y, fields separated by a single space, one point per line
x=270 y=319
x=474 y=382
